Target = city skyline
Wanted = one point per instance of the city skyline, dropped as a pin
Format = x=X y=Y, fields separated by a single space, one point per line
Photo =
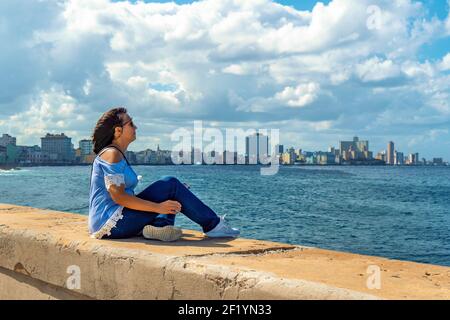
x=348 y=151
x=377 y=69
x=324 y=146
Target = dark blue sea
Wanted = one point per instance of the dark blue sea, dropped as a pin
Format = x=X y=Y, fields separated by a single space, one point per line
x=394 y=212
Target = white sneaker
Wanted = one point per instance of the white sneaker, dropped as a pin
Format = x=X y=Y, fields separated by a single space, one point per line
x=166 y=233
x=223 y=230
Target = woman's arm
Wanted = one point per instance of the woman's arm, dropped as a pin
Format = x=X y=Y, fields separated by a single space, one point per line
x=122 y=198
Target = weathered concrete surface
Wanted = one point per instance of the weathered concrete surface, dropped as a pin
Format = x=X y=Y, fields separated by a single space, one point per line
x=38 y=246
x=17 y=286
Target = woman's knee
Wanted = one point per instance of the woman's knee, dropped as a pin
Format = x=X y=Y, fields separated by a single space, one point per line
x=170 y=179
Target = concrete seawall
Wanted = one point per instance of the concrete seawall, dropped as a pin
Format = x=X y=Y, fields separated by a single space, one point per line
x=49 y=255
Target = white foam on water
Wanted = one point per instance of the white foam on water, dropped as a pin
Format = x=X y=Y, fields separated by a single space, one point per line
x=11 y=172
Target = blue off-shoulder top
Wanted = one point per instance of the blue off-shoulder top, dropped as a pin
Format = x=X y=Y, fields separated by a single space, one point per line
x=103 y=211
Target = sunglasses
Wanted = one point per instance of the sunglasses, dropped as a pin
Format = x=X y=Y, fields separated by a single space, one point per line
x=129 y=122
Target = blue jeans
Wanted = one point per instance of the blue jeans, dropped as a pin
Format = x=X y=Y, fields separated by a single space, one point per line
x=167 y=188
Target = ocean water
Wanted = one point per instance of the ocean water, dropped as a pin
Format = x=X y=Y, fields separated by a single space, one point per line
x=394 y=212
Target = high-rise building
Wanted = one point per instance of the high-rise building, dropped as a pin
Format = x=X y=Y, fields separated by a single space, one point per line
x=256 y=148
x=390 y=153
x=399 y=158
x=6 y=139
x=355 y=150
x=58 y=145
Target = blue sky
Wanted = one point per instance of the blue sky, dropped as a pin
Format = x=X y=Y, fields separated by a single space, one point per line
x=320 y=73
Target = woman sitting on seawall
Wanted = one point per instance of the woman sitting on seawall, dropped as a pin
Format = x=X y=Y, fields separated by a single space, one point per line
x=115 y=212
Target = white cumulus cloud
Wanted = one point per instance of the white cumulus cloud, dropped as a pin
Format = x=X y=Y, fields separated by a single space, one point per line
x=299 y=96
x=376 y=69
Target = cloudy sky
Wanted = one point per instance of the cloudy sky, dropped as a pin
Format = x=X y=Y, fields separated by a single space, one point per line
x=318 y=71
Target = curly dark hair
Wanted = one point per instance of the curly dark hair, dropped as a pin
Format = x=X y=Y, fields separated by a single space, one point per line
x=104 y=129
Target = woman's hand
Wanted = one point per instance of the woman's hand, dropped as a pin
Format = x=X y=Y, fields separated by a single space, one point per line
x=169 y=207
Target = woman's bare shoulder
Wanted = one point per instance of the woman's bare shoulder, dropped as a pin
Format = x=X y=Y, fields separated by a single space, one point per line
x=112 y=155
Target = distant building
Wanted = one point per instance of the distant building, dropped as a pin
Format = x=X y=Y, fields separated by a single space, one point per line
x=381 y=156
x=325 y=158
x=85 y=153
x=334 y=151
x=438 y=161
x=279 y=148
x=256 y=148
x=390 y=153
x=86 y=147
x=229 y=157
x=6 y=139
x=8 y=153
x=355 y=150
x=413 y=159
x=27 y=155
x=131 y=157
x=2 y=155
x=289 y=156
x=59 y=145
x=301 y=158
x=196 y=156
x=399 y=158
x=162 y=157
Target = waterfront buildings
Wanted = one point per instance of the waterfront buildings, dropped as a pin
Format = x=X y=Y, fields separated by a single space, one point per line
x=58 y=150
x=85 y=152
x=413 y=159
x=131 y=157
x=326 y=158
x=356 y=150
x=8 y=149
x=59 y=147
x=6 y=139
x=86 y=147
x=159 y=156
x=381 y=156
x=289 y=157
x=2 y=155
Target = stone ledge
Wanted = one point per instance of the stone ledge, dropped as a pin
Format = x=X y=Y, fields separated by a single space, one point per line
x=38 y=246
